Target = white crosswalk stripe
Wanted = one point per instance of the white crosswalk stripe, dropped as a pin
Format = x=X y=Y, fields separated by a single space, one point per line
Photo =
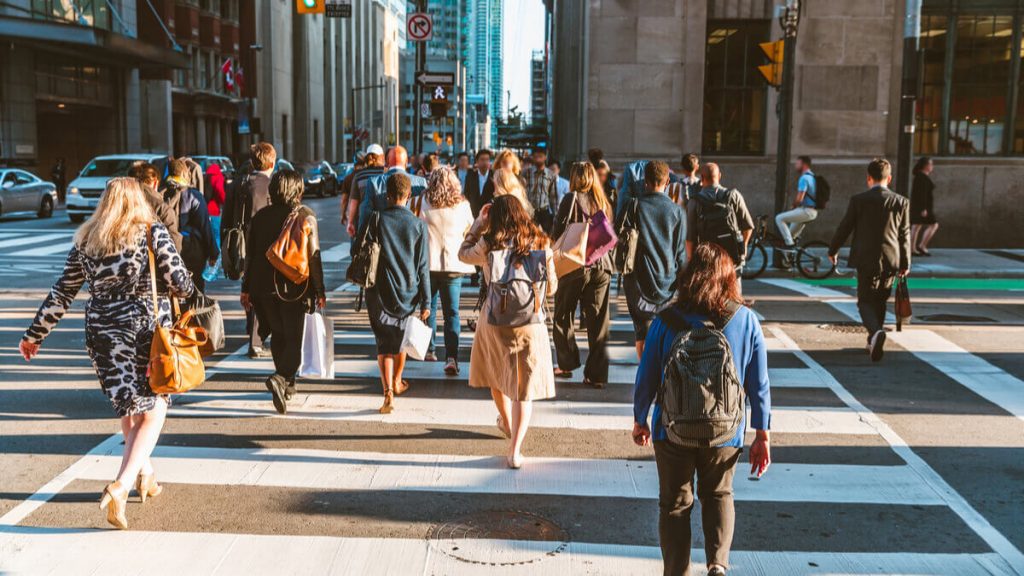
x=248 y=465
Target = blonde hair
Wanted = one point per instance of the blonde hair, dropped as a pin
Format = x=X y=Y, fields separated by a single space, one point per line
x=115 y=225
x=508 y=155
x=583 y=179
x=506 y=182
x=443 y=188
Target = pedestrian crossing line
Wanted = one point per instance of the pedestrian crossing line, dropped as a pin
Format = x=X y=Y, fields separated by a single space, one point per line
x=957 y=503
x=50 y=250
x=134 y=551
x=470 y=412
x=972 y=372
x=6 y=235
x=27 y=240
x=372 y=471
x=336 y=253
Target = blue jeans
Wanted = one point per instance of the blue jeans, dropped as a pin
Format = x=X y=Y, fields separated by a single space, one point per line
x=450 y=288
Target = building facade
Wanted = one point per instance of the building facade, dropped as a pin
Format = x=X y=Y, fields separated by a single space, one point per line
x=485 y=68
x=667 y=77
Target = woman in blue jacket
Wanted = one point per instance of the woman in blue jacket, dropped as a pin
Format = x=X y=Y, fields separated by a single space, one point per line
x=708 y=290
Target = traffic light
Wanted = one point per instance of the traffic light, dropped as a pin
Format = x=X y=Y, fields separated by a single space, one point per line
x=309 y=6
x=772 y=72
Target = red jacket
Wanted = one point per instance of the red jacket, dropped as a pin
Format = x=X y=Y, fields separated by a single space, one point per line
x=216 y=177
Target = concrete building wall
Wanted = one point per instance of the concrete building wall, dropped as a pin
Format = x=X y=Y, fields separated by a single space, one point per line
x=641 y=76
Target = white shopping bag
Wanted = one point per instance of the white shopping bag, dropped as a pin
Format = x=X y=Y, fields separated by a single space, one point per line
x=416 y=338
x=317 y=347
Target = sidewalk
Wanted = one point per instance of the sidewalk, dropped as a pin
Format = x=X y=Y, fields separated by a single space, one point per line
x=956 y=263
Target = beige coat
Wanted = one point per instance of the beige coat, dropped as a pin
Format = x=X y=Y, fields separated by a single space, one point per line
x=516 y=361
x=446 y=228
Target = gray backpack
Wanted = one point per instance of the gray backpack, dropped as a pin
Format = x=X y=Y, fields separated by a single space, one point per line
x=516 y=288
x=701 y=395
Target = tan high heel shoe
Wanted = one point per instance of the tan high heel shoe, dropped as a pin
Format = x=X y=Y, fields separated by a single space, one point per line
x=146 y=487
x=114 y=500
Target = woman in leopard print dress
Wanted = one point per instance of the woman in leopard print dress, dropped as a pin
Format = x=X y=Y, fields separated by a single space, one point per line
x=110 y=253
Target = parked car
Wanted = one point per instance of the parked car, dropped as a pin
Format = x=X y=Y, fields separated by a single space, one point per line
x=84 y=191
x=343 y=169
x=22 y=192
x=320 y=179
x=283 y=164
x=226 y=167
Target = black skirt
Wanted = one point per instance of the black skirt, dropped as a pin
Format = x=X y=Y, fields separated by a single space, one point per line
x=387 y=329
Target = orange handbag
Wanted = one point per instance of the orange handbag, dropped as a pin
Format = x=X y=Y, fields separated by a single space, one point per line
x=289 y=254
x=175 y=361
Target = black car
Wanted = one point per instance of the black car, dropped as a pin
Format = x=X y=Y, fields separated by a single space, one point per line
x=320 y=179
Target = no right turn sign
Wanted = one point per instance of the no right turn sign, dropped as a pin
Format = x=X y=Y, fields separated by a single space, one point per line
x=419 y=27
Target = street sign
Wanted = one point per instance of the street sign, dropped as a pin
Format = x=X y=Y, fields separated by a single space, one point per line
x=338 y=8
x=419 y=27
x=772 y=72
x=427 y=78
x=440 y=93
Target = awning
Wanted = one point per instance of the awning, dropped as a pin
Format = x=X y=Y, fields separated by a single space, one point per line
x=84 y=41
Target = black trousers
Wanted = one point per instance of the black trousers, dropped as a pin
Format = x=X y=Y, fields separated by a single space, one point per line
x=715 y=468
x=873 y=291
x=587 y=287
x=285 y=320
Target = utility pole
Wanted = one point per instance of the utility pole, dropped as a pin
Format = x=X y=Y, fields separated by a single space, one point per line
x=421 y=65
x=790 y=21
x=908 y=94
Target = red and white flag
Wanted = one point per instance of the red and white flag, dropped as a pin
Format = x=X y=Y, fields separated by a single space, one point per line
x=227 y=71
x=239 y=79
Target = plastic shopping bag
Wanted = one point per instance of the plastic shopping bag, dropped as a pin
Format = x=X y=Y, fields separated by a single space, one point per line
x=416 y=338
x=317 y=347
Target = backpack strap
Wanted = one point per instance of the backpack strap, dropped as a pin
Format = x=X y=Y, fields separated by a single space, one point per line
x=731 y=308
x=675 y=319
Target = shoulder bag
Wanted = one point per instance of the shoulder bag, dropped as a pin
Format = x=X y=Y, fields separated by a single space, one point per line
x=362 y=271
x=570 y=250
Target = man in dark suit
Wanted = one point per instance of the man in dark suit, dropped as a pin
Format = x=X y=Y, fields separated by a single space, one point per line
x=880 y=222
x=476 y=180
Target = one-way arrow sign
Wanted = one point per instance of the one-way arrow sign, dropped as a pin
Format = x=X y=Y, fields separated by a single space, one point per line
x=426 y=78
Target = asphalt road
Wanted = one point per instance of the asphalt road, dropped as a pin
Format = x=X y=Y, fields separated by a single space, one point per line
x=914 y=465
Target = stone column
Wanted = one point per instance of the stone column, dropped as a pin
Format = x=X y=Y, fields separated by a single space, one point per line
x=157 y=129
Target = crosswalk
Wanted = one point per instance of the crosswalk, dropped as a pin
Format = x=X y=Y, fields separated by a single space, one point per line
x=333 y=487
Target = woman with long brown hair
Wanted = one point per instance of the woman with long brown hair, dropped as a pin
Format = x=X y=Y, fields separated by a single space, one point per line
x=587 y=286
x=709 y=294
x=513 y=361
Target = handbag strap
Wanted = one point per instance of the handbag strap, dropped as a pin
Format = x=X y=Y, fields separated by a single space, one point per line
x=152 y=271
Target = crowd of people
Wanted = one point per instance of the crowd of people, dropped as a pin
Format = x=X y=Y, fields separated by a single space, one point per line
x=525 y=235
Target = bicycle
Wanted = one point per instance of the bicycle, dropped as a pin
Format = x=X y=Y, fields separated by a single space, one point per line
x=811 y=258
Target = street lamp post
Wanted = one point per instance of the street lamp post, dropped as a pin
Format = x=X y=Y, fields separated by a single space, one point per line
x=790 y=21
x=908 y=94
x=352 y=108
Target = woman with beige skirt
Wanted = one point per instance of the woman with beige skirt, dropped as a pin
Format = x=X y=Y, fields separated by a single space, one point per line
x=514 y=362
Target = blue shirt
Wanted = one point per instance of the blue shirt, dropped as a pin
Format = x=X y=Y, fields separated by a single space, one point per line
x=809 y=187
x=749 y=354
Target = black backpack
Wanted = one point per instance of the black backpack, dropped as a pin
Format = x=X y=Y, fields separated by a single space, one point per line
x=822 y=192
x=717 y=223
x=701 y=394
x=232 y=247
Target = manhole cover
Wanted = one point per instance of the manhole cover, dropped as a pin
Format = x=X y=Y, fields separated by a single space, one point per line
x=954 y=318
x=499 y=538
x=843 y=327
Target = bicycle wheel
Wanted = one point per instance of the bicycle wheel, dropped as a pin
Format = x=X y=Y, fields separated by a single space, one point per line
x=757 y=261
x=812 y=261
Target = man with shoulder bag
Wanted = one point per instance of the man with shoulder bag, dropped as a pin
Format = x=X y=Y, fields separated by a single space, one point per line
x=652 y=250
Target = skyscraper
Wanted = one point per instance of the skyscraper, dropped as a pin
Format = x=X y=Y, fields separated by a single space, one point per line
x=485 y=54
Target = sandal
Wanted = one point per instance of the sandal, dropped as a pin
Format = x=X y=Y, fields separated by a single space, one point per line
x=566 y=374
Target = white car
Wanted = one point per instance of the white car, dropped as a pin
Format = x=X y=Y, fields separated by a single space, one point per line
x=84 y=191
x=22 y=192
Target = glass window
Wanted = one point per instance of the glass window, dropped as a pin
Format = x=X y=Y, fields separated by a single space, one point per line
x=735 y=95
x=934 y=34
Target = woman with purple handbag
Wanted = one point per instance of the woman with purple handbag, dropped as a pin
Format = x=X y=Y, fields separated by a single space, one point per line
x=586 y=287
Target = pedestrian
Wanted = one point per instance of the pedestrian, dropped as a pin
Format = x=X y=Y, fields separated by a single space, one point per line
x=462 y=169
x=279 y=305
x=805 y=208
x=607 y=180
x=541 y=185
x=709 y=298
x=596 y=157
x=402 y=282
x=148 y=178
x=371 y=194
x=199 y=247
x=111 y=253
x=687 y=184
x=562 y=184
x=60 y=178
x=660 y=224
x=346 y=184
x=477 y=181
x=513 y=361
x=879 y=220
x=719 y=215
x=506 y=183
x=448 y=218
x=586 y=287
x=215 y=197
x=923 y=224
x=353 y=197
x=429 y=164
x=506 y=159
x=246 y=198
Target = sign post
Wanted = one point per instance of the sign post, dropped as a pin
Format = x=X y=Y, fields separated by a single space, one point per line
x=419 y=27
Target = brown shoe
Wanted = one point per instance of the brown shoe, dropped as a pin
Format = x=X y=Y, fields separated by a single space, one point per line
x=114 y=500
x=388 y=407
x=401 y=387
x=147 y=487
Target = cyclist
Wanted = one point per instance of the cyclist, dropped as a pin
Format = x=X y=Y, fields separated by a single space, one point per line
x=805 y=209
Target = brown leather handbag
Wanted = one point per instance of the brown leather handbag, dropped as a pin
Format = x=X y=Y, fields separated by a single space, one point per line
x=289 y=254
x=175 y=361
